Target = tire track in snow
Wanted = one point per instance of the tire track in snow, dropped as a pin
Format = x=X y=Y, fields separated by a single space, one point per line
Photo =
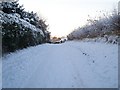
x=90 y=58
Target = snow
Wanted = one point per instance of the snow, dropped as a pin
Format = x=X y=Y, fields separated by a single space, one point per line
x=106 y=39
x=11 y=18
x=71 y=64
x=97 y=27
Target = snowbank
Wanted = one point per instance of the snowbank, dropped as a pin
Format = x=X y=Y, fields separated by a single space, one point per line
x=106 y=39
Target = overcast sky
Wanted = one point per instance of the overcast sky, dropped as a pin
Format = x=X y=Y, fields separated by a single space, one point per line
x=65 y=15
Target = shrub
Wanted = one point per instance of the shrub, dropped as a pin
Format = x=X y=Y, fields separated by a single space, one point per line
x=21 y=29
x=107 y=25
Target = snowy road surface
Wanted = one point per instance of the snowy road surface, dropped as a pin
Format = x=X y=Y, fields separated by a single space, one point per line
x=71 y=64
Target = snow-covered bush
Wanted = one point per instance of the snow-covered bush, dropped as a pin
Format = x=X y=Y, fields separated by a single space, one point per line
x=12 y=7
x=17 y=29
x=106 y=39
x=106 y=25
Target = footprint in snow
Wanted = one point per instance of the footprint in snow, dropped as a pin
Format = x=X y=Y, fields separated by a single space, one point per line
x=75 y=78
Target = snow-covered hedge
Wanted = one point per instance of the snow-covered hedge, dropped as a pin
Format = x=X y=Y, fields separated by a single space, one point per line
x=15 y=18
x=17 y=30
x=108 y=25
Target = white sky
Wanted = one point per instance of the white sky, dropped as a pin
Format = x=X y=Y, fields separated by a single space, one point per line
x=65 y=15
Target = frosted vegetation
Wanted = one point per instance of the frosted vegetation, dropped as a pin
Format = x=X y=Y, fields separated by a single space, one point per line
x=72 y=64
x=21 y=29
x=104 y=27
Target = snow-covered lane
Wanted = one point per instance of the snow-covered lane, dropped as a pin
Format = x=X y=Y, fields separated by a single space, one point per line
x=71 y=64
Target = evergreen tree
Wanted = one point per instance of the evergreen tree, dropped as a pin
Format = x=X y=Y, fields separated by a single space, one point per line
x=21 y=29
